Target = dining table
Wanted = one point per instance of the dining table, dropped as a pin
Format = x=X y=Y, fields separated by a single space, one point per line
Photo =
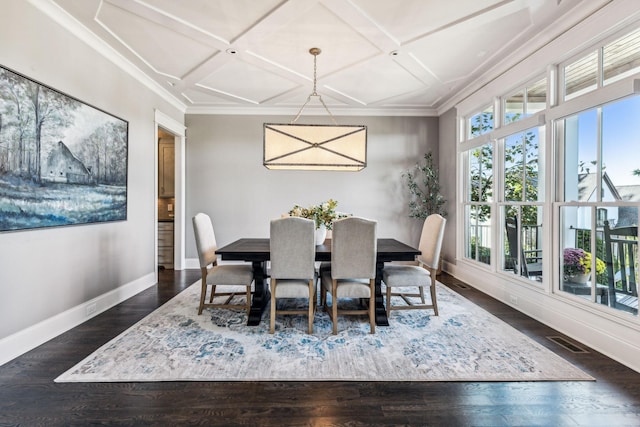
x=257 y=252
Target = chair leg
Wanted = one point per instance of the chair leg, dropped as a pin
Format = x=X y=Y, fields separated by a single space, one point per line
x=272 y=322
x=248 y=299
x=433 y=292
x=388 y=301
x=422 y=294
x=203 y=290
x=312 y=304
x=334 y=306
x=213 y=292
x=372 y=308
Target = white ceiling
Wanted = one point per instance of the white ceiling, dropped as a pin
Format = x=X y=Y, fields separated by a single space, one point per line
x=392 y=57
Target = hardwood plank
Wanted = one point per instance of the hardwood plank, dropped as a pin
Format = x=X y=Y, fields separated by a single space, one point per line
x=28 y=395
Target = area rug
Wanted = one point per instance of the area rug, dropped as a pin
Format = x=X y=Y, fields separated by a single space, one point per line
x=463 y=343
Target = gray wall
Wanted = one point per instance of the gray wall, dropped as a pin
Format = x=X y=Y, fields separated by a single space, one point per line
x=226 y=178
x=47 y=271
x=447 y=165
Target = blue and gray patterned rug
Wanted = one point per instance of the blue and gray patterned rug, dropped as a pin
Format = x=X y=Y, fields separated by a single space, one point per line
x=464 y=343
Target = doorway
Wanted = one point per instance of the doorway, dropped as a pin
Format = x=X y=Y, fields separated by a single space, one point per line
x=169 y=192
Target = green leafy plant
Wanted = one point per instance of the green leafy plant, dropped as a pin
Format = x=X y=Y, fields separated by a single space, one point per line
x=323 y=213
x=423 y=182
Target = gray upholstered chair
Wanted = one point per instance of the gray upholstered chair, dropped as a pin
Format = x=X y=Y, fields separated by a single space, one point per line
x=420 y=275
x=353 y=268
x=218 y=275
x=293 y=272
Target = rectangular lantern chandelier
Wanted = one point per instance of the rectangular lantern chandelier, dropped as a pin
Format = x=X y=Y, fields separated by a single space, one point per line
x=315 y=147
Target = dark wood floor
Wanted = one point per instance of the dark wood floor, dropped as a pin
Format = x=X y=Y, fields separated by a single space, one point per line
x=28 y=395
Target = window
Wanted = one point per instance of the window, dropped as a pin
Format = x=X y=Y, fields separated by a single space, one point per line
x=480 y=123
x=581 y=76
x=523 y=188
x=525 y=102
x=602 y=188
x=620 y=59
x=478 y=200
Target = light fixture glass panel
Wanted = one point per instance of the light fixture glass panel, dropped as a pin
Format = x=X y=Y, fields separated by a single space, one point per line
x=315 y=147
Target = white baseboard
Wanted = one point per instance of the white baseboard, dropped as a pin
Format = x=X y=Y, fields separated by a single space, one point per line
x=607 y=333
x=27 y=339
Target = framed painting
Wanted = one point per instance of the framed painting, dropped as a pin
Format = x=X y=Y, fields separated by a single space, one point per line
x=62 y=161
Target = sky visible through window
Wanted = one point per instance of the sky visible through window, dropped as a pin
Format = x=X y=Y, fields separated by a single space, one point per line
x=620 y=136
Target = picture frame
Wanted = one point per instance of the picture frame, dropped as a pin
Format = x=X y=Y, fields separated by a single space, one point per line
x=62 y=161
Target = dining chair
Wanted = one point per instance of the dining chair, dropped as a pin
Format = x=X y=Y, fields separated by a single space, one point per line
x=293 y=272
x=353 y=269
x=237 y=275
x=421 y=275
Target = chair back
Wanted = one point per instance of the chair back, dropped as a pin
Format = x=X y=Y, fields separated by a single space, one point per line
x=293 y=248
x=621 y=255
x=205 y=239
x=354 y=247
x=519 y=262
x=431 y=240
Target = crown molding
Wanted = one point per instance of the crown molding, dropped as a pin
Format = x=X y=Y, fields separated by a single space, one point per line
x=69 y=23
x=291 y=111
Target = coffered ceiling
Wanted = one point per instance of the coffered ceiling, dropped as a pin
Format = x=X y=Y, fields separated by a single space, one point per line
x=395 y=57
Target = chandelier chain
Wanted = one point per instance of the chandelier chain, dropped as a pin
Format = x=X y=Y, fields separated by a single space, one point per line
x=315 y=52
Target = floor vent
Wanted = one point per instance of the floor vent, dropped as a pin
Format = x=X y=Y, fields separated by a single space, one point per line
x=568 y=345
x=460 y=285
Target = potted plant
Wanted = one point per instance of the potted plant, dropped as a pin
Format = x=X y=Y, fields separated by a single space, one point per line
x=323 y=214
x=577 y=265
x=423 y=182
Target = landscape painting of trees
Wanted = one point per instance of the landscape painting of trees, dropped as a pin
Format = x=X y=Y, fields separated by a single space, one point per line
x=62 y=162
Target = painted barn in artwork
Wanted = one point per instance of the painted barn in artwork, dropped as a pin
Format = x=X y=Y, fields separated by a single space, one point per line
x=62 y=166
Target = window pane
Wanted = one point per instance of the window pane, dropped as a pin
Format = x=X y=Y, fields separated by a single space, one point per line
x=523 y=241
x=481 y=123
x=521 y=167
x=622 y=57
x=513 y=168
x=581 y=76
x=620 y=138
x=514 y=107
x=580 y=156
x=478 y=236
x=618 y=273
x=575 y=243
x=536 y=97
x=533 y=184
x=611 y=276
x=481 y=174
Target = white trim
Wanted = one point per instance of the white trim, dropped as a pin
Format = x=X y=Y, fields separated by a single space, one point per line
x=335 y=111
x=179 y=221
x=68 y=22
x=27 y=339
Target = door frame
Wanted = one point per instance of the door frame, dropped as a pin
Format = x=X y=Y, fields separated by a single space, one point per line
x=179 y=131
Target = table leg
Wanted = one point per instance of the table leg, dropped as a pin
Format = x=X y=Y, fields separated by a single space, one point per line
x=261 y=294
x=381 y=312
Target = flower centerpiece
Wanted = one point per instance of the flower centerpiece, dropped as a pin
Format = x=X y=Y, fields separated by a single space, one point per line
x=577 y=264
x=323 y=214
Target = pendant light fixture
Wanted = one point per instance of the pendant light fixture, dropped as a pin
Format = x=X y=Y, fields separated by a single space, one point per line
x=296 y=146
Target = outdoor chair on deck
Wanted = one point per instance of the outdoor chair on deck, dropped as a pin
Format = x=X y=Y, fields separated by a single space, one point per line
x=621 y=255
x=239 y=276
x=293 y=273
x=527 y=269
x=421 y=275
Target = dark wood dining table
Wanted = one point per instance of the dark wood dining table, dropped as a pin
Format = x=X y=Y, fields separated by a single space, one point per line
x=257 y=252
